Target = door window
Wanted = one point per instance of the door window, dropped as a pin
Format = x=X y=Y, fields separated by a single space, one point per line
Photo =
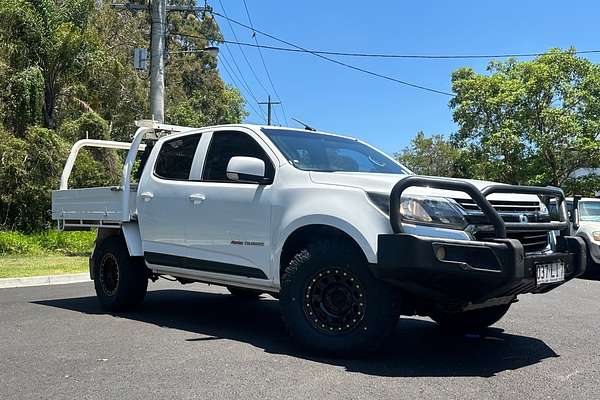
x=228 y=144
x=175 y=158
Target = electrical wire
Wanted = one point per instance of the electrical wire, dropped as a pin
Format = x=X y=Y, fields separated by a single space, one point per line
x=244 y=83
x=235 y=79
x=242 y=51
x=332 y=60
x=410 y=56
x=265 y=65
x=383 y=55
x=238 y=80
x=242 y=80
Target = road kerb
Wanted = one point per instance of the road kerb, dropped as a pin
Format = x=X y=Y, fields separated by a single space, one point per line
x=6 y=283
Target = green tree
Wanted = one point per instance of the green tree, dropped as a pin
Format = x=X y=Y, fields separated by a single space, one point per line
x=196 y=95
x=30 y=168
x=110 y=87
x=23 y=98
x=435 y=156
x=94 y=167
x=49 y=36
x=531 y=122
x=67 y=65
x=586 y=186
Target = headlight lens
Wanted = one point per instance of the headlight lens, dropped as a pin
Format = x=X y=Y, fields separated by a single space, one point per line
x=412 y=209
x=425 y=210
x=596 y=236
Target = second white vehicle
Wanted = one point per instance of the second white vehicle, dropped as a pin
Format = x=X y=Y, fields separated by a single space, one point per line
x=343 y=235
x=586 y=224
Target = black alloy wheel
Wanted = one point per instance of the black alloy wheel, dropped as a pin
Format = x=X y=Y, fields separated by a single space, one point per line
x=120 y=280
x=109 y=274
x=334 y=301
x=331 y=303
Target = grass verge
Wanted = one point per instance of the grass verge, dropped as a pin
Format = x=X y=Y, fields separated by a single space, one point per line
x=23 y=266
x=48 y=242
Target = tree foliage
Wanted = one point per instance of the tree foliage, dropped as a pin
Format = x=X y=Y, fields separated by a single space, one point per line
x=531 y=122
x=29 y=169
x=434 y=156
x=50 y=36
x=199 y=97
x=67 y=73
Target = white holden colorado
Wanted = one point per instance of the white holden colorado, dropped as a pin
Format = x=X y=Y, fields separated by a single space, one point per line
x=343 y=235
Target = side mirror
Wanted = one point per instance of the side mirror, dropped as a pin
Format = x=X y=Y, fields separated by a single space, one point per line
x=246 y=169
x=575 y=212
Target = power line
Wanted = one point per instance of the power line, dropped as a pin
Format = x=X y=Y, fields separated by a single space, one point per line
x=232 y=75
x=265 y=65
x=227 y=68
x=346 y=65
x=411 y=56
x=241 y=78
x=384 y=55
x=242 y=50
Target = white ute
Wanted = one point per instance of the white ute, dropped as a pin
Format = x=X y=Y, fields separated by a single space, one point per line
x=343 y=235
x=587 y=225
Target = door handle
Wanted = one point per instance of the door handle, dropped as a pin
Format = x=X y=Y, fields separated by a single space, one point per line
x=147 y=196
x=197 y=198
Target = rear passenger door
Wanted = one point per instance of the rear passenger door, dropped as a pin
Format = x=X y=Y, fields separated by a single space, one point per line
x=163 y=197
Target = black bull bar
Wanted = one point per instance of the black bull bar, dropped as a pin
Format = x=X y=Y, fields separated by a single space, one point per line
x=469 y=270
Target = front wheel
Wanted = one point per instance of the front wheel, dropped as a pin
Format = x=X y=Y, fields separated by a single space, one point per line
x=331 y=303
x=470 y=321
x=120 y=281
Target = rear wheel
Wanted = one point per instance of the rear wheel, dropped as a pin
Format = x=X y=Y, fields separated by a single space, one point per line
x=331 y=303
x=120 y=281
x=244 y=293
x=470 y=321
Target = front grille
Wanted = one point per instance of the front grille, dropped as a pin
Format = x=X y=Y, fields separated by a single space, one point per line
x=531 y=240
x=503 y=205
x=510 y=211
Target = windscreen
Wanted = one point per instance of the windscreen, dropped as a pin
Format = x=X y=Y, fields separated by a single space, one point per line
x=311 y=151
x=589 y=210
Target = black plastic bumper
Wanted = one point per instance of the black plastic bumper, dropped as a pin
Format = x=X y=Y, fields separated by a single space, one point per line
x=468 y=271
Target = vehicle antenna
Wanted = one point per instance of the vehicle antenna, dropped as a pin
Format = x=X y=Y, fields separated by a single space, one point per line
x=306 y=126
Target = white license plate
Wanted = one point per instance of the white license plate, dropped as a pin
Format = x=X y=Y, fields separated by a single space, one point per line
x=551 y=272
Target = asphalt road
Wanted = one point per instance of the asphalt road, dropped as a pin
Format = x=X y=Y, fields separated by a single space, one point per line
x=197 y=342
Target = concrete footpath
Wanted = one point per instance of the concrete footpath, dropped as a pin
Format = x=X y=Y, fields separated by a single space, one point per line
x=44 y=280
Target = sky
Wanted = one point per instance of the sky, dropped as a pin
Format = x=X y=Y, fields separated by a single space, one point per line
x=384 y=113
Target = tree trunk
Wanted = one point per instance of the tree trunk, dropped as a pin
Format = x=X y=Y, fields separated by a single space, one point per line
x=49 y=104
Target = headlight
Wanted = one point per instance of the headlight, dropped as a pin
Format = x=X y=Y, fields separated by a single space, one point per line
x=596 y=236
x=425 y=210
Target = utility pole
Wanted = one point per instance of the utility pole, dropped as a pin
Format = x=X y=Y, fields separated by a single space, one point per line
x=158 y=10
x=157 y=61
x=269 y=104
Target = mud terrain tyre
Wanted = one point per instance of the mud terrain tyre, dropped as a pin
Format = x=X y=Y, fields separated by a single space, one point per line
x=120 y=281
x=331 y=303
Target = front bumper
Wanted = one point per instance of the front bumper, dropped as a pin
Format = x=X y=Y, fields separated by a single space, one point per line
x=470 y=271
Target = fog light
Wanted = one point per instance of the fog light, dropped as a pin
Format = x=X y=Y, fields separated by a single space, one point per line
x=440 y=253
